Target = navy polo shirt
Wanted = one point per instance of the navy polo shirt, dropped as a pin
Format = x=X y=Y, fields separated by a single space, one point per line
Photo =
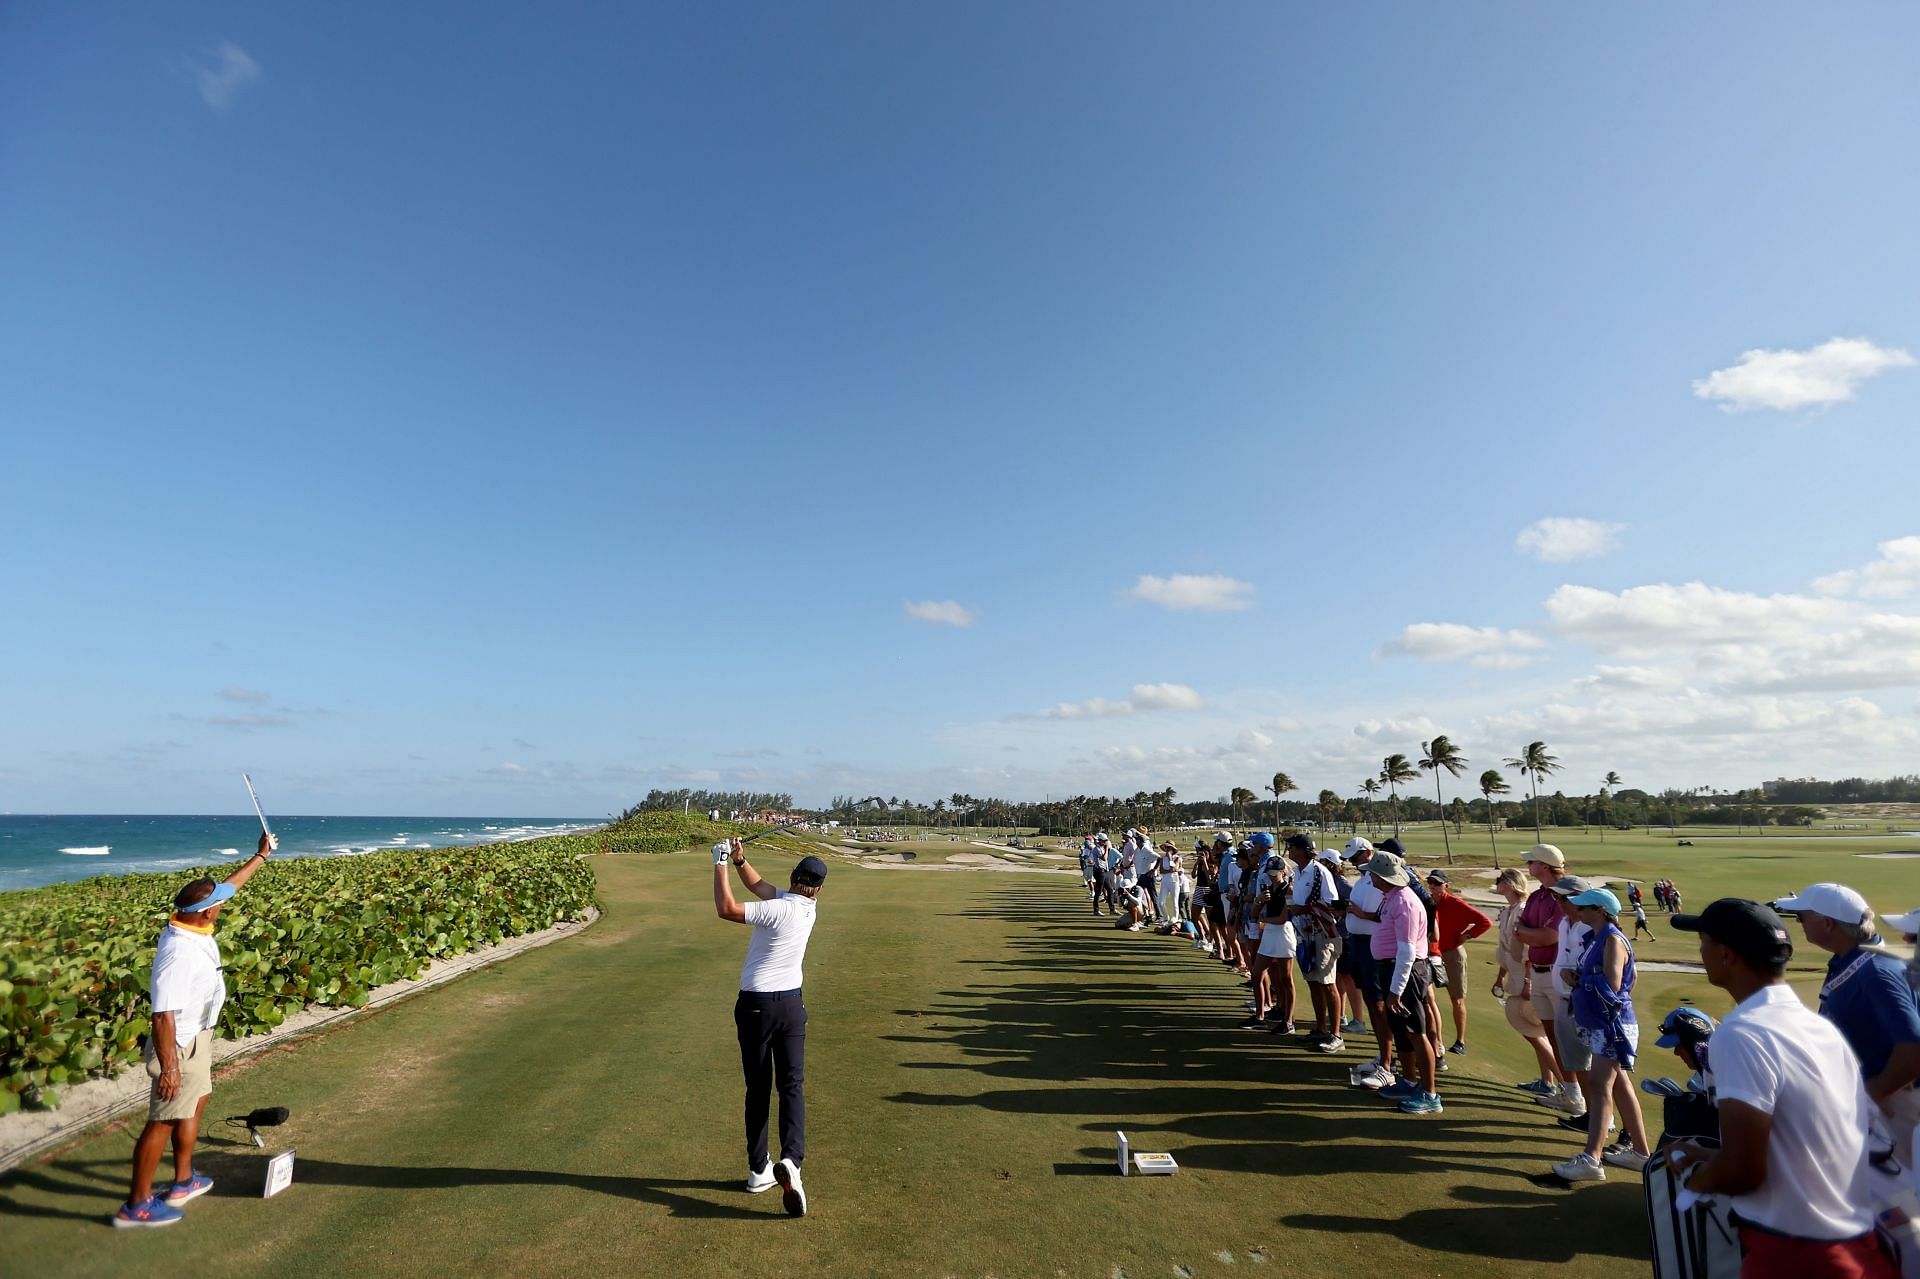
x=1872 y=1006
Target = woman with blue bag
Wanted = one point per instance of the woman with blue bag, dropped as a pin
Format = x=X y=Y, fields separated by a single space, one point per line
x=1602 y=1008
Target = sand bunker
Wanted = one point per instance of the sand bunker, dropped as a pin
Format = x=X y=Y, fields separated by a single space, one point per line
x=1888 y=856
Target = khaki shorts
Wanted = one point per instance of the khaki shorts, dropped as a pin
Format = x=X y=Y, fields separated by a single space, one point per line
x=1455 y=962
x=196 y=1079
x=1545 y=1004
x=1521 y=1017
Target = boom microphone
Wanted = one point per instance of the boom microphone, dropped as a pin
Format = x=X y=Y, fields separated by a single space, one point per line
x=264 y=1117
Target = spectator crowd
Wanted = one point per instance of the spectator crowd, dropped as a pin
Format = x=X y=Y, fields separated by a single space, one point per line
x=1810 y=1114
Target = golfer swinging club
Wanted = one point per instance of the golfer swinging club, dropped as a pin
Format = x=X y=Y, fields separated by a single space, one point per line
x=769 y=1017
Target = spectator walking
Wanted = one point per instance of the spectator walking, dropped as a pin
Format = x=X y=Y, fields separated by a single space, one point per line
x=1602 y=1008
x=1870 y=999
x=1640 y=922
x=1793 y=1111
x=1458 y=922
x=1513 y=986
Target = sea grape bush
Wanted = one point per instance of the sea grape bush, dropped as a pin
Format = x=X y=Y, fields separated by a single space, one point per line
x=320 y=930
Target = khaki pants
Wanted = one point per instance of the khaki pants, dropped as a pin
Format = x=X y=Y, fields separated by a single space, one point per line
x=196 y=1078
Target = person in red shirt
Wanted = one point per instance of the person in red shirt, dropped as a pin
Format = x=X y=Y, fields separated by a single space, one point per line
x=1457 y=922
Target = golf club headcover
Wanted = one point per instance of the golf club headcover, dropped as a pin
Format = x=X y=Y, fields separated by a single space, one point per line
x=722 y=852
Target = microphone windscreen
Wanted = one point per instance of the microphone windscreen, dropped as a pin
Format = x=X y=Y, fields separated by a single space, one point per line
x=267 y=1117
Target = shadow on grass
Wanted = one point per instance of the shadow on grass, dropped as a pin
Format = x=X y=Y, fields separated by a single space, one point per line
x=1135 y=1031
x=242 y=1176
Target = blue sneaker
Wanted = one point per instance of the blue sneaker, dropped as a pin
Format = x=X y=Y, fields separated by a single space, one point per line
x=190 y=1189
x=148 y=1212
x=1538 y=1087
x=1421 y=1103
x=1355 y=1026
x=1400 y=1090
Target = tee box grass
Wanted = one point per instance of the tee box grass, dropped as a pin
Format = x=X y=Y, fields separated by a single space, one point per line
x=976 y=1039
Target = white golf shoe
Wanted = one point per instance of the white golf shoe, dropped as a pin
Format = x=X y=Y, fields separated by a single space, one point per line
x=761 y=1181
x=792 y=1194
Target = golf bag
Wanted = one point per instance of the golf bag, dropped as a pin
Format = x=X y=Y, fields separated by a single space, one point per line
x=1700 y=1243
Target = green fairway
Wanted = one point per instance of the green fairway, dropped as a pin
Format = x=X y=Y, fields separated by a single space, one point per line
x=976 y=1038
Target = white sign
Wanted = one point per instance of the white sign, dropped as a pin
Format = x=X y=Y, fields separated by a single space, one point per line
x=1120 y=1151
x=279 y=1173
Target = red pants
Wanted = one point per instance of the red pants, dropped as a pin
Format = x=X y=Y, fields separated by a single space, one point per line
x=1765 y=1256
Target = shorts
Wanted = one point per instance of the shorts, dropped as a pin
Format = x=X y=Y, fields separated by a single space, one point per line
x=1319 y=956
x=1618 y=1043
x=196 y=1079
x=1522 y=1018
x=1455 y=962
x=1215 y=911
x=1279 y=941
x=1365 y=970
x=1437 y=972
x=1574 y=1052
x=1411 y=1024
x=1545 y=1002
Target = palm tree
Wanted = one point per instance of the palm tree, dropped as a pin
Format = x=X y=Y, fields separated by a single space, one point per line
x=1394 y=770
x=1239 y=798
x=1535 y=763
x=1436 y=755
x=1607 y=785
x=1328 y=803
x=1491 y=784
x=1372 y=787
x=1281 y=785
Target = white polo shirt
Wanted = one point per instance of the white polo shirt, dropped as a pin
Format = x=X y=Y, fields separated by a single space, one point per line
x=1779 y=1056
x=781 y=926
x=1367 y=896
x=187 y=981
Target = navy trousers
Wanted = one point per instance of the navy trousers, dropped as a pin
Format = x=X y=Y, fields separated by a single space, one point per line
x=772 y=1029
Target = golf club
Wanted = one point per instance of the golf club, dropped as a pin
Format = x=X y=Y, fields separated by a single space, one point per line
x=264 y=828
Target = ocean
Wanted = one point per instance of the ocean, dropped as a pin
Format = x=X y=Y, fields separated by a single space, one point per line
x=49 y=849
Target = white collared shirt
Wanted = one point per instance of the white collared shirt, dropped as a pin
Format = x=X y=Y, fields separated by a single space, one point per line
x=1780 y=1057
x=187 y=981
x=781 y=925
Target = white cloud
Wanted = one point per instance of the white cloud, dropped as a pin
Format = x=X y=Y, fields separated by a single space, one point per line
x=1191 y=593
x=249 y=696
x=1790 y=380
x=1145 y=697
x=1417 y=728
x=1560 y=538
x=1451 y=641
x=1894 y=574
x=226 y=70
x=941 y=612
x=1661 y=617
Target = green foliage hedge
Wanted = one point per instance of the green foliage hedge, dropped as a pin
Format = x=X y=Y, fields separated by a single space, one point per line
x=312 y=930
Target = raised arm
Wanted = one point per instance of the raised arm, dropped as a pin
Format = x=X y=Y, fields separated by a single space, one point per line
x=723 y=903
x=749 y=877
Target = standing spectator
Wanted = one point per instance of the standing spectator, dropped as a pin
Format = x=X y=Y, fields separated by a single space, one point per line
x=1868 y=997
x=1146 y=866
x=1352 y=955
x=1602 y=1007
x=1363 y=925
x=1907 y=925
x=1090 y=871
x=1674 y=902
x=1514 y=986
x=1633 y=892
x=1167 y=875
x=1793 y=1113
x=1459 y=922
x=1310 y=908
x=1399 y=951
x=1206 y=898
x=1273 y=965
x=1576 y=1057
x=1539 y=931
x=1436 y=976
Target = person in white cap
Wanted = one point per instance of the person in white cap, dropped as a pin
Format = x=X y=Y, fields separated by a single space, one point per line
x=188 y=989
x=1907 y=925
x=1868 y=999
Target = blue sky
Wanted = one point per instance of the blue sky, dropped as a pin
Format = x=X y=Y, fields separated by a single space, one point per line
x=511 y=409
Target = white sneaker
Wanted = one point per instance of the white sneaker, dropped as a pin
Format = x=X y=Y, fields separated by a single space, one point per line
x=1132 y=928
x=1365 y=1068
x=1624 y=1156
x=1334 y=1045
x=1581 y=1168
x=1574 y=1105
x=1374 y=1080
x=793 y=1195
x=760 y=1181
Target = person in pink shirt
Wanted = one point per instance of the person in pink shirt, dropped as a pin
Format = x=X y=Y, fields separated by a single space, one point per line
x=1400 y=955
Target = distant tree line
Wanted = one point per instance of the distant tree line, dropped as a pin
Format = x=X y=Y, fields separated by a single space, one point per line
x=705 y=800
x=1848 y=790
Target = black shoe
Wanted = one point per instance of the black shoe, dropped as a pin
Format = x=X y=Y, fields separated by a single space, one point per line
x=1459 y=1048
x=1575 y=1123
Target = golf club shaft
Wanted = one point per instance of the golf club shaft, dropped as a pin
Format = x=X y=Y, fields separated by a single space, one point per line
x=775 y=830
x=264 y=829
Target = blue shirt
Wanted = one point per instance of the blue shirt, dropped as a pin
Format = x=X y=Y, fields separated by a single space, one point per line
x=1868 y=999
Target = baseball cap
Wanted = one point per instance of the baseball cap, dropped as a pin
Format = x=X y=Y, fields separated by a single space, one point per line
x=1261 y=840
x=1244 y=848
x=222 y=892
x=1748 y=929
x=1569 y=885
x=1392 y=844
x=1328 y=855
x=1389 y=868
x=1907 y=923
x=810 y=872
x=1684 y=1025
x=1547 y=854
x=1300 y=843
x=1601 y=897
x=1438 y=877
x=1101 y=838
x=1221 y=839
x=1357 y=845
x=1835 y=901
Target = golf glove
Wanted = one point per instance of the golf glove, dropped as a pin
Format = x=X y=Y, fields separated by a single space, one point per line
x=722 y=853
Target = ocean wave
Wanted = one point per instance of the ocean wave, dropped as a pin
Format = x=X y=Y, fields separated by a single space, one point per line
x=227 y=852
x=100 y=851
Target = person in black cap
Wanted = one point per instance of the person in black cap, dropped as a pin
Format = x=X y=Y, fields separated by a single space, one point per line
x=1793 y=1111
x=769 y=1017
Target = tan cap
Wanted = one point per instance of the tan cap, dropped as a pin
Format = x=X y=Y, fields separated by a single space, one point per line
x=1547 y=854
